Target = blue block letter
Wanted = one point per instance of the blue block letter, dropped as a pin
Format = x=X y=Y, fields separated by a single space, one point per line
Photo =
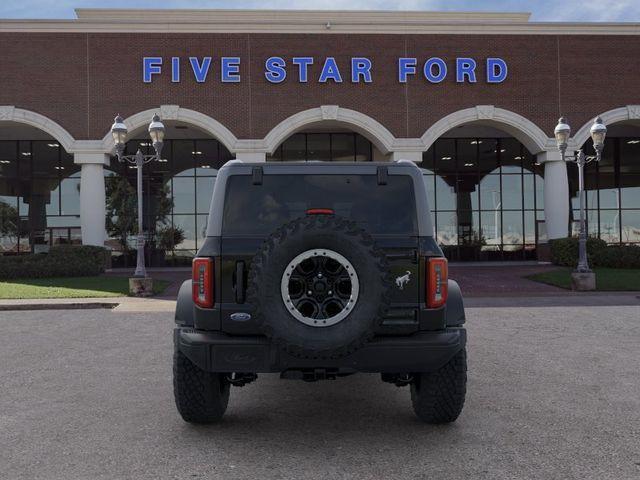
x=200 y=71
x=428 y=70
x=330 y=71
x=175 y=69
x=406 y=66
x=275 y=69
x=303 y=66
x=360 y=66
x=150 y=66
x=496 y=70
x=465 y=67
x=230 y=71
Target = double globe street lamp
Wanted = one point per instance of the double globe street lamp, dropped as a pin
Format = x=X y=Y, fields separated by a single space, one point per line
x=156 y=132
x=582 y=278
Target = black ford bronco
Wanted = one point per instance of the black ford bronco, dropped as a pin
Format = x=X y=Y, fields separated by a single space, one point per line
x=315 y=271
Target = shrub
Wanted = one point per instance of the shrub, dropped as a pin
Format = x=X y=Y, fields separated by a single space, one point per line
x=565 y=252
x=61 y=261
x=618 y=256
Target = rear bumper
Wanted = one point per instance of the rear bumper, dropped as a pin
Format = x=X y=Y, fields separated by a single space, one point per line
x=420 y=352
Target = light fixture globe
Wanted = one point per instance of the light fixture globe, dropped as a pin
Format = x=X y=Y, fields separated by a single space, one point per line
x=156 y=132
x=156 y=129
x=562 y=133
x=119 y=131
x=598 y=133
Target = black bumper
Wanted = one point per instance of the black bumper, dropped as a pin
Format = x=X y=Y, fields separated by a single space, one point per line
x=421 y=352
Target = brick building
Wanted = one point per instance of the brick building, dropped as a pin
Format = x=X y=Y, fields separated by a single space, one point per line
x=472 y=97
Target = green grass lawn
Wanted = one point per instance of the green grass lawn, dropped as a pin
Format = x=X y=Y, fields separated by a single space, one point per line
x=607 y=279
x=71 y=287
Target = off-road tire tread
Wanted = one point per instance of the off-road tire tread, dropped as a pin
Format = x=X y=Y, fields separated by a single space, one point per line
x=438 y=397
x=201 y=397
x=337 y=224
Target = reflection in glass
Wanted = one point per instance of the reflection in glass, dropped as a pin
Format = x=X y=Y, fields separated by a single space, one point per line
x=318 y=146
x=491 y=227
x=445 y=195
x=188 y=225
x=70 y=196
x=610 y=225
x=447 y=228
x=183 y=195
x=204 y=191
x=512 y=233
x=201 y=228
x=530 y=227
x=512 y=191
x=490 y=192
x=630 y=226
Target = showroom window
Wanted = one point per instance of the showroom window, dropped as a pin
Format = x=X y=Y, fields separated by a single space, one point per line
x=39 y=196
x=176 y=196
x=336 y=147
x=486 y=197
x=612 y=189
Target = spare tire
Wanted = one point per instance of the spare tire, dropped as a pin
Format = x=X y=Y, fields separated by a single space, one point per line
x=319 y=286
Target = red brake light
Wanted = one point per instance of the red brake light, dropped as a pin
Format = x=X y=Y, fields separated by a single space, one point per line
x=202 y=282
x=320 y=211
x=437 y=282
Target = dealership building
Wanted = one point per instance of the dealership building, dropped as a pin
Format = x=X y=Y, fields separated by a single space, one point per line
x=472 y=98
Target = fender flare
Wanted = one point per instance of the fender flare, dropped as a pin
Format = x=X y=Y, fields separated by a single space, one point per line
x=454 y=314
x=184 y=305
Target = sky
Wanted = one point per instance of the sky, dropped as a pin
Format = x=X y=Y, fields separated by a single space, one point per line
x=542 y=10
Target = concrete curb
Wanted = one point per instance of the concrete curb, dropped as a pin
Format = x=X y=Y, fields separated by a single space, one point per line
x=57 y=306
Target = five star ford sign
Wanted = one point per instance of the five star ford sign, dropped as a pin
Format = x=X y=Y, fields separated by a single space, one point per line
x=361 y=69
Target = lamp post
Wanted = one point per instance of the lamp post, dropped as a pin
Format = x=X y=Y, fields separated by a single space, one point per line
x=156 y=132
x=583 y=278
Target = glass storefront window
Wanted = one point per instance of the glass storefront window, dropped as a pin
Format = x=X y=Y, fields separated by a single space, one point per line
x=318 y=146
x=39 y=196
x=337 y=147
x=612 y=191
x=512 y=191
x=609 y=226
x=496 y=200
x=204 y=191
x=177 y=193
x=630 y=221
x=295 y=148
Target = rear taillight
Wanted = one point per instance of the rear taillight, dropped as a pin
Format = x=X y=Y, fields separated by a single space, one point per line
x=437 y=282
x=202 y=280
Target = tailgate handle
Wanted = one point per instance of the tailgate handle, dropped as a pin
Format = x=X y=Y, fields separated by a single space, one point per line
x=239 y=286
x=413 y=256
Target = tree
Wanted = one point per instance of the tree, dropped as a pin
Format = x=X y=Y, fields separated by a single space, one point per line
x=8 y=220
x=122 y=209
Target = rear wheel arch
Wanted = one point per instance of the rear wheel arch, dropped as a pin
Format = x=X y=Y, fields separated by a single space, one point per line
x=454 y=313
x=184 y=305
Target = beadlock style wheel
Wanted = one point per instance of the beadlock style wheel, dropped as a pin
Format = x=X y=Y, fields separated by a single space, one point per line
x=320 y=287
x=304 y=286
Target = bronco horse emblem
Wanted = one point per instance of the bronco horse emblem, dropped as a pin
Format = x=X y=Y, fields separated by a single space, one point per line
x=403 y=280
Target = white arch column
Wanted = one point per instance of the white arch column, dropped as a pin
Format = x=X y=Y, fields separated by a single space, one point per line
x=556 y=194
x=92 y=196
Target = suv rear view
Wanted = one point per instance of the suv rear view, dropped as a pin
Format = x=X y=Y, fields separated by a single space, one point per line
x=314 y=271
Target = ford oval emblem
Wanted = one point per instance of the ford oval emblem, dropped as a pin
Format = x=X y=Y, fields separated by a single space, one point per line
x=240 y=317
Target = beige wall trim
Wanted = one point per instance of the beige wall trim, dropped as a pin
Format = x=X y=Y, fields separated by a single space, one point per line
x=297 y=21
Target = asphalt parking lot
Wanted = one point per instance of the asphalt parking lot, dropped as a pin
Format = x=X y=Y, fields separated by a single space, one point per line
x=554 y=392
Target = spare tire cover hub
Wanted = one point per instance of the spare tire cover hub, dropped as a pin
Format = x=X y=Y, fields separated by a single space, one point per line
x=320 y=287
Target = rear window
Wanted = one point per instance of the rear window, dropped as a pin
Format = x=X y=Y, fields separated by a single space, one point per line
x=260 y=209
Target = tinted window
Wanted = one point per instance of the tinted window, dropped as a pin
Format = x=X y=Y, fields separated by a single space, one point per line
x=260 y=209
